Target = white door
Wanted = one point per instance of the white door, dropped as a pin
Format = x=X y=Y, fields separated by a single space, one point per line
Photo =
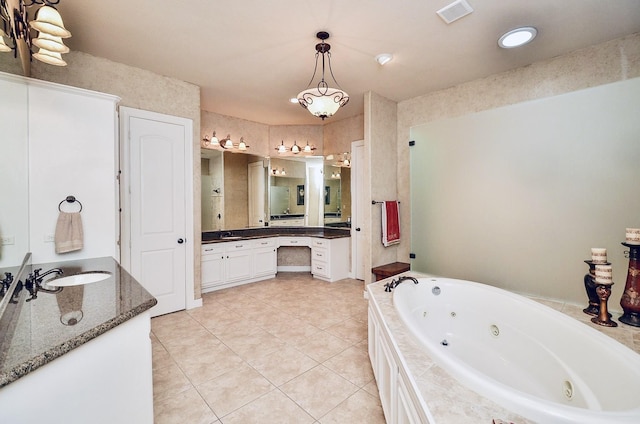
x=156 y=198
x=357 y=209
x=256 y=194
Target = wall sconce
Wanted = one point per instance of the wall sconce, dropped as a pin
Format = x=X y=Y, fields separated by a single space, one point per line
x=277 y=172
x=226 y=143
x=295 y=149
x=48 y=23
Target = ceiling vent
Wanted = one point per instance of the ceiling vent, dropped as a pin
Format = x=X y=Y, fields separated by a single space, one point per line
x=455 y=11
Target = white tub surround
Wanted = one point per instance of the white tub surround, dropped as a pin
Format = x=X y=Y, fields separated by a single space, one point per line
x=433 y=388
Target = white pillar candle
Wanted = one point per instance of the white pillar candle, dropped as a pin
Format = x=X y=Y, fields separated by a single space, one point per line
x=598 y=254
x=603 y=274
x=633 y=235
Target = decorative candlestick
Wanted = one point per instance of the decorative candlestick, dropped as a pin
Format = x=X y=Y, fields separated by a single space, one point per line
x=603 y=290
x=590 y=287
x=630 y=300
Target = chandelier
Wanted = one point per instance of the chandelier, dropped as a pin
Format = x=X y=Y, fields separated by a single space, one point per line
x=323 y=101
x=47 y=24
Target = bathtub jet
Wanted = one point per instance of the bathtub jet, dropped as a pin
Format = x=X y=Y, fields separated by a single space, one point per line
x=527 y=357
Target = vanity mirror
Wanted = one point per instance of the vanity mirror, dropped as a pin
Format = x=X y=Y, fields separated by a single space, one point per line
x=297 y=191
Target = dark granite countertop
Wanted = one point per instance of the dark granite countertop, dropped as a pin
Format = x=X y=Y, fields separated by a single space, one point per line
x=253 y=233
x=34 y=332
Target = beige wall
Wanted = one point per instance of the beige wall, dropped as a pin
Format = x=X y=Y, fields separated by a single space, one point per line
x=596 y=65
x=380 y=171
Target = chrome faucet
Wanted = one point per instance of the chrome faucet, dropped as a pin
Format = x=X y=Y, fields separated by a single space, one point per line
x=33 y=282
x=39 y=277
x=394 y=283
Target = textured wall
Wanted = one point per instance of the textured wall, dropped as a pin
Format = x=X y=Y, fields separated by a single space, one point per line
x=380 y=149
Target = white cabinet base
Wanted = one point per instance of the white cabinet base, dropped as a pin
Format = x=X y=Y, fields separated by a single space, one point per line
x=106 y=380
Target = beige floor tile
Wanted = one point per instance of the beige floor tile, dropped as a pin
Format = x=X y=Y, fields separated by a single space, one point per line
x=160 y=357
x=169 y=381
x=192 y=343
x=253 y=346
x=361 y=407
x=322 y=346
x=294 y=332
x=209 y=364
x=246 y=340
x=350 y=330
x=371 y=388
x=272 y=408
x=319 y=390
x=283 y=365
x=185 y=407
x=352 y=364
x=234 y=389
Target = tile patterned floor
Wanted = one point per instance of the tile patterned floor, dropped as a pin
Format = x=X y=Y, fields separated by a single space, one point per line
x=287 y=350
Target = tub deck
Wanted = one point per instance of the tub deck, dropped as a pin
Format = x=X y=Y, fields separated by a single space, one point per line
x=449 y=401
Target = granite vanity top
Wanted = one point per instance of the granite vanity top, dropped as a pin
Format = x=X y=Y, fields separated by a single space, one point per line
x=37 y=331
x=253 y=233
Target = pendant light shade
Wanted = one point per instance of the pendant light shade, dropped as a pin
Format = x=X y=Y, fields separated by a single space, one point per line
x=323 y=101
x=49 y=21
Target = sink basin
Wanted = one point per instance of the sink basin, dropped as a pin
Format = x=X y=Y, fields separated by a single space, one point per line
x=79 y=279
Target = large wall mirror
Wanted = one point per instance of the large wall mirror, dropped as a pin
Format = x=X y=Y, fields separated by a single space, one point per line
x=241 y=190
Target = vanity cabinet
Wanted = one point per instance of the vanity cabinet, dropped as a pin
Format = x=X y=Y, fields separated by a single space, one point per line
x=265 y=261
x=330 y=258
x=396 y=394
x=232 y=263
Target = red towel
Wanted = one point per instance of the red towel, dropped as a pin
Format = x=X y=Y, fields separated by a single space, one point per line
x=390 y=223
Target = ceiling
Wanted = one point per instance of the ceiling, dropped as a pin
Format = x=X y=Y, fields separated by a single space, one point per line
x=250 y=56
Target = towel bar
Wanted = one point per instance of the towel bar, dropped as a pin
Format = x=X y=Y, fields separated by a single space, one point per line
x=374 y=202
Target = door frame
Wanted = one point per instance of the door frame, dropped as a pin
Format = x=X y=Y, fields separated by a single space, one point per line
x=125 y=113
x=357 y=208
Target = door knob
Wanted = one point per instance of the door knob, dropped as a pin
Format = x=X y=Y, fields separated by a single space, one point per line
x=180 y=241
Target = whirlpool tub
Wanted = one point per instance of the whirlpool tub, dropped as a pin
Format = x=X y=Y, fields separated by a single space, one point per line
x=525 y=356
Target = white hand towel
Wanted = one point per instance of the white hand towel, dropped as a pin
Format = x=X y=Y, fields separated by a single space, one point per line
x=69 y=235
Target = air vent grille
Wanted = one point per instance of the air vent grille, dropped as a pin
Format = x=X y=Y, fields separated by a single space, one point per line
x=455 y=11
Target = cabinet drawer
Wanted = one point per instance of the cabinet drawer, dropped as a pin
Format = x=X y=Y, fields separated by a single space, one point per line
x=294 y=241
x=317 y=242
x=267 y=242
x=211 y=249
x=319 y=254
x=320 y=268
x=237 y=245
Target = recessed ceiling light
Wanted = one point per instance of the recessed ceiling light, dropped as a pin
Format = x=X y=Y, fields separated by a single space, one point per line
x=517 y=37
x=384 y=58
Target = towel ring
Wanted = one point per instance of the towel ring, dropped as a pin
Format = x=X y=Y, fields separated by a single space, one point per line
x=70 y=199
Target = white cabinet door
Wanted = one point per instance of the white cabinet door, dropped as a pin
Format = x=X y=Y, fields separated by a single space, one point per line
x=237 y=261
x=265 y=258
x=212 y=266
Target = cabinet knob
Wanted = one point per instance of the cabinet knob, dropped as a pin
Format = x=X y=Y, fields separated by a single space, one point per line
x=358 y=229
x=180 y=241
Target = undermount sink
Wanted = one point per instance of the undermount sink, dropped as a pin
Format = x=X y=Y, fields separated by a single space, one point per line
x=79 y=279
